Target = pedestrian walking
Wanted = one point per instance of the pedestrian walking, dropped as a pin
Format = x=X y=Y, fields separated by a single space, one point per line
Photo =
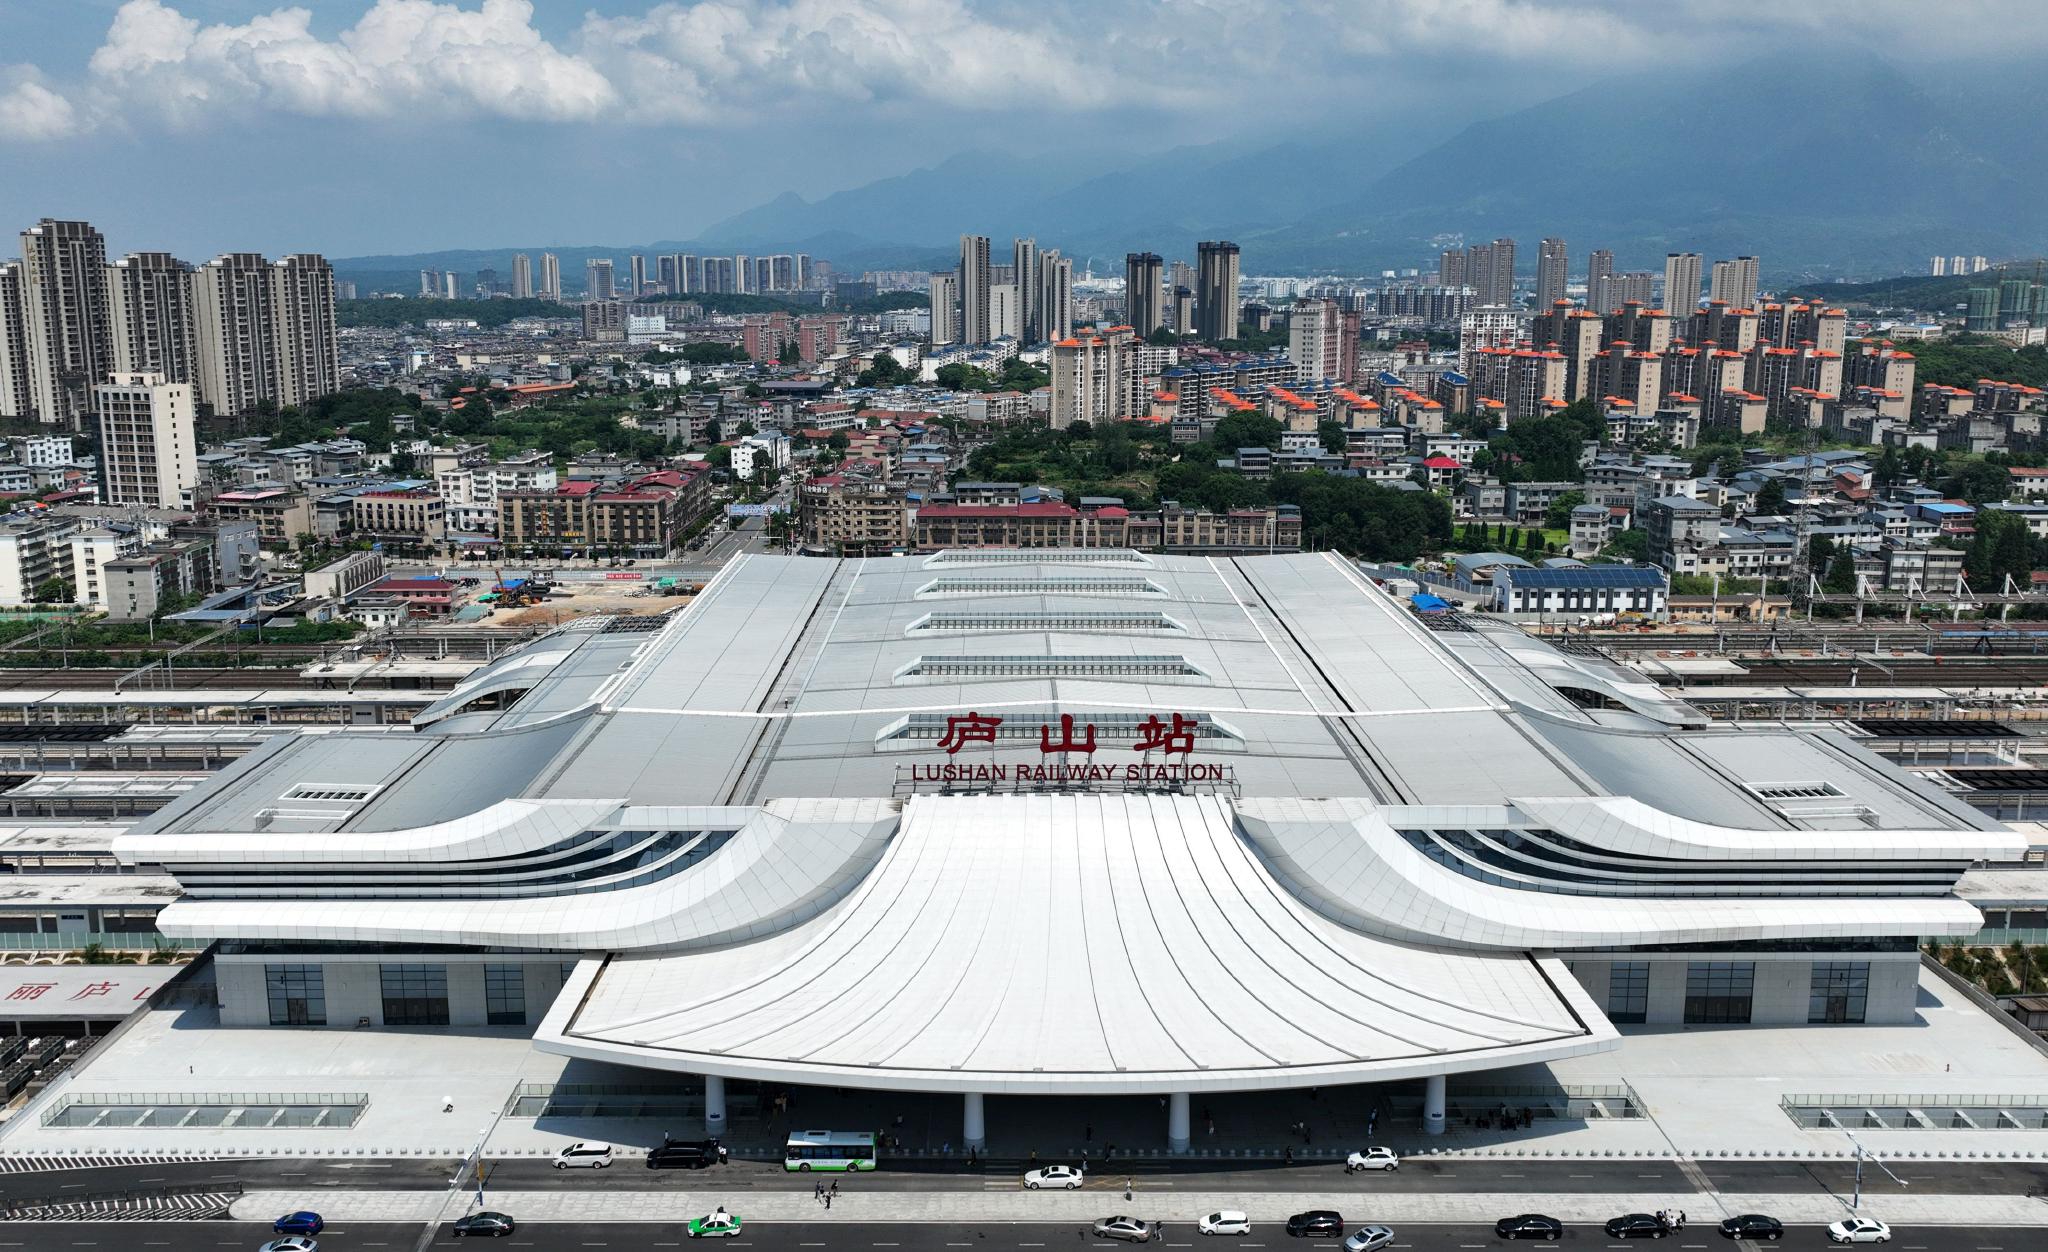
x=1034 y=1158
x=1127 y=1188
x=818 y=1191
x=834 y=1189
x=828 y=1201
x=1681 y=1219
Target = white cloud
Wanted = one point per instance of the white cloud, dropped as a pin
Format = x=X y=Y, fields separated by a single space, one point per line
x=711 y=59
x=31 y=112
x=892 y=64
x=404 y=58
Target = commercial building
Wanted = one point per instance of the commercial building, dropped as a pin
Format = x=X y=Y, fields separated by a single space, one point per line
x=149 y=444
x=1050 y=524
x=1399 y=854
x=404 y=516
x=840 y=514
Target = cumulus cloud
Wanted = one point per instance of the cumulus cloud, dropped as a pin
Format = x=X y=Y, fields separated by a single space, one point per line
x=31 y=112
x=708 y=63
x=404 y=58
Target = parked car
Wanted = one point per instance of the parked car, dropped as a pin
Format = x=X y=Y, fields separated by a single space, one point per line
x=1859 y=1230
x=1130 y=1229
x=679 y=1154
x=1529 y=1226
x=1369 y=1239
x=290 y=1243
x=1317 y=1224
x=1372 y=1158
x=1065 y=1177
x=584 y=1155
x=486 y=1223
x=1752 y=1226
x=1225 y=1222
x=1637 y=1226
x=299 y=1223
x=718 y=1225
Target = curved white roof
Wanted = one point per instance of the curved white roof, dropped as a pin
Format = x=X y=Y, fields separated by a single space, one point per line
x=1073 y=944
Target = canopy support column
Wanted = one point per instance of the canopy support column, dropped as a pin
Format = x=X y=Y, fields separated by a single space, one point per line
x=714 y=1105
x=973 y=1126
x=1177 y=1122
x=1433 y=1105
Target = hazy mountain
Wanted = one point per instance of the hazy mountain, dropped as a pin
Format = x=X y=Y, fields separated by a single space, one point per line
x=1822 y=170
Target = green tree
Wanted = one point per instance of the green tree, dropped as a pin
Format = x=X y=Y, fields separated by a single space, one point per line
x=707 y=353
x=1770 y=498
x=52 y=591
x=1978 y=481
x=1559 y=514
x=1331 y=432
x=1840 y=579
x=2002 y=548
x=958 y=377
x=885 y=371
x=1629 y=545
x=1247 y=430
x=1162 y=337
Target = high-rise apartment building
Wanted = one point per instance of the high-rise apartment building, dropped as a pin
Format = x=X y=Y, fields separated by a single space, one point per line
x=1024 y=262
x=1055 y=295
x=668 y=274
x=1450 y=268
x=1315 y=341
x=1982 y=311
x=636 y=266
x=149 y=302
x=522 y=276
x=1490 y=272
x=1216 y=275
x=451 y=286
x=302 y=300
x=234 y=305
x=1144 y=292
x=1550 y=273
x=1734 y=283
x=1005 y=312
x=14 y=391
x=64 y=307
x=1681 y=283
x=945 y=307
x=1599 y=280
x=1938 y=267
x=1091 y=376
x=597 y=279
x=550 y=276
x=975 y=280
x=149 y=452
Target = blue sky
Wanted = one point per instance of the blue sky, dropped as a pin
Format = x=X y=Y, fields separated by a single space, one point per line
x=356 y=126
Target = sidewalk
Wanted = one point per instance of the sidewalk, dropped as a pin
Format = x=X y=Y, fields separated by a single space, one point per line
x=1150 y=1199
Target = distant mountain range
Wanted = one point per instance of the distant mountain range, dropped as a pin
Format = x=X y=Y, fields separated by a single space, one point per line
x=1844 y=169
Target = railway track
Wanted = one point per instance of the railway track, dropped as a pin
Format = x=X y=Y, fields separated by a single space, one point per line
x=1959 y=671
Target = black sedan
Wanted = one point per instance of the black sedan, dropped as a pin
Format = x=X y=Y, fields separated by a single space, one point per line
x=1529 y=1226
x=1637 y=1226
x=1316 y=1224
x=1752 y=1226
x=492 y=1224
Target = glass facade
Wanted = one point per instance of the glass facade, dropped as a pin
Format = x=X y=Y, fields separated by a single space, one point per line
x=1628 y=993
x=1719 y=991
x=298 y=995
x=1839 y=992
x=414 y=995
x=505 y=995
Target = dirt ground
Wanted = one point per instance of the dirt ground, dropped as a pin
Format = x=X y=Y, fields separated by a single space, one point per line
x=588 y=598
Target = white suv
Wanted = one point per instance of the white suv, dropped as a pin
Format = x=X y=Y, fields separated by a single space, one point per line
x=1372 y=1158
x=584 y=1156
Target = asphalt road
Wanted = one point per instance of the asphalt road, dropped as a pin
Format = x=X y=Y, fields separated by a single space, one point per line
x=795 y=1237
x=1416 y=1175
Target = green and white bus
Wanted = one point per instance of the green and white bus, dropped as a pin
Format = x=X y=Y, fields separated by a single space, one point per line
x=829 y=1149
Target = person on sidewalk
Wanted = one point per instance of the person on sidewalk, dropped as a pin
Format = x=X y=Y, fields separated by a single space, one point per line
x=832 y=1192
x=1127 y=1188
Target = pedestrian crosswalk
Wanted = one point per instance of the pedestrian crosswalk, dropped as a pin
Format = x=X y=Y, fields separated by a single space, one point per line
x=151 y=1208
x=86 y=1160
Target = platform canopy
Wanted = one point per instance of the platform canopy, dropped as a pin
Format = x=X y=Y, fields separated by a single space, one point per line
x=1073 y=944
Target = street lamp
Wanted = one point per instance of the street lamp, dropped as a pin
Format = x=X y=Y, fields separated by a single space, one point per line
x=1856 y=1200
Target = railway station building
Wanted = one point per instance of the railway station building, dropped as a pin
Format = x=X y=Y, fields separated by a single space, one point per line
x=1062 y=822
